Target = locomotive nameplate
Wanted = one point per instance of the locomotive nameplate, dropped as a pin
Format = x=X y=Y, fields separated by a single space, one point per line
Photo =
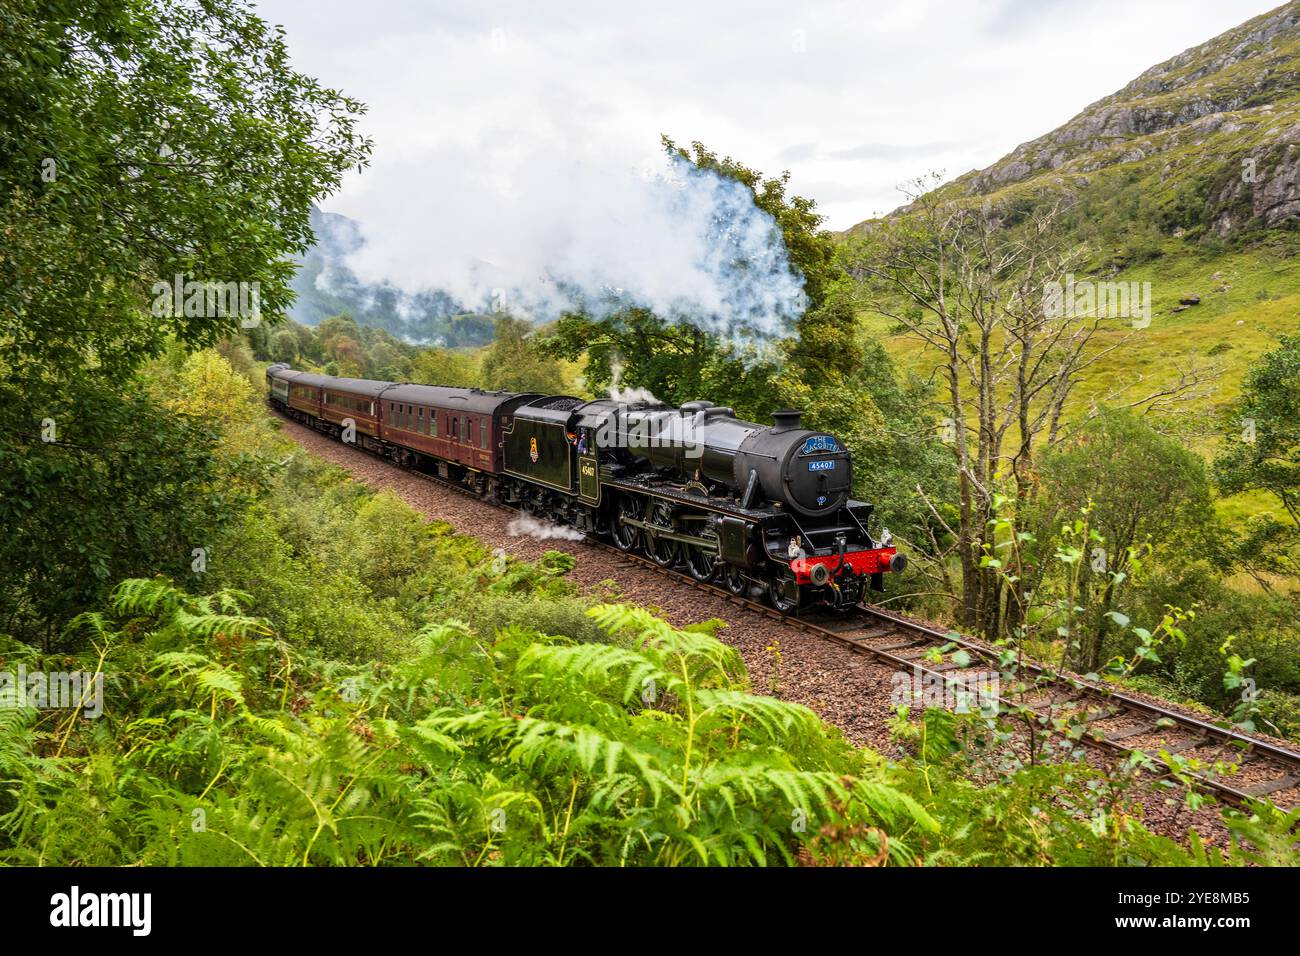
x=822 y=464
x=816 y=443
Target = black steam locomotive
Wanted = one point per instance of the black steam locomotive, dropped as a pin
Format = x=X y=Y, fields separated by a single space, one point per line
x=763 y=510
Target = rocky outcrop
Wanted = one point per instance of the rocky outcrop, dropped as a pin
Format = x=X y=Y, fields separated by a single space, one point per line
x=1275 y=194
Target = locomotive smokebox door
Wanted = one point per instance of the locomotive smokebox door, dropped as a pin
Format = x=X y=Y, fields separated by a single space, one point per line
x=588 y=479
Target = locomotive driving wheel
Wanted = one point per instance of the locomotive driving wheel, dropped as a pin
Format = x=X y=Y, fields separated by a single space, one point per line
x=626 y=537
x=733 y=579
x=702 y=560
x=662 y=551
x=783 y=593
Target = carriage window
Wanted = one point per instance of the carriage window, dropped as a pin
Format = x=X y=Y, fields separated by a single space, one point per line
x=433 y=423
x=482 y=433
x=419 y=419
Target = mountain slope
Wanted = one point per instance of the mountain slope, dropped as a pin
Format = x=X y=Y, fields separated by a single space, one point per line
x=1211 y=138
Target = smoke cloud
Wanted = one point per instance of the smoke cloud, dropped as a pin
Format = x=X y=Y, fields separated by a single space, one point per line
x=536 y=228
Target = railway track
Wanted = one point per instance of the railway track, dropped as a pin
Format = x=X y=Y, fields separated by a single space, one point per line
x=1092 y=713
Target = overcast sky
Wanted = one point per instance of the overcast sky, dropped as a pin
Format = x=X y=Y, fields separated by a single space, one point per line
x=852 y=98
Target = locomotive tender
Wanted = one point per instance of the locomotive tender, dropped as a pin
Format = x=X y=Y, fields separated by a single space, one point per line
x=762 y=510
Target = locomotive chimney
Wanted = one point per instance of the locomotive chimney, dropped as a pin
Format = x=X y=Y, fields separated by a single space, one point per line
x=787 y=419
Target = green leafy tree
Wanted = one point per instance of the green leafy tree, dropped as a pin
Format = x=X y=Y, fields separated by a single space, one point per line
x=454 y=367
x=385 y=361
x=139 y=143
x=1138 y=489
x=115 y=485
x=901 y=461
x=1263 y=455
x=514 y=363
x=283 y=346
x=156 y=139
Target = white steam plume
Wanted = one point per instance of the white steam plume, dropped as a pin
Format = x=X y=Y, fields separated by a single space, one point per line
x=627 y=396
x=525 y=227
x=527 y=526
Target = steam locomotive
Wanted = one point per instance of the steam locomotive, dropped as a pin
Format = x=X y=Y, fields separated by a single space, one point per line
x=765 y=511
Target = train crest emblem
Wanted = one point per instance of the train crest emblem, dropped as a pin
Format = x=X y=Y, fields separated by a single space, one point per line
x=532 y=449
